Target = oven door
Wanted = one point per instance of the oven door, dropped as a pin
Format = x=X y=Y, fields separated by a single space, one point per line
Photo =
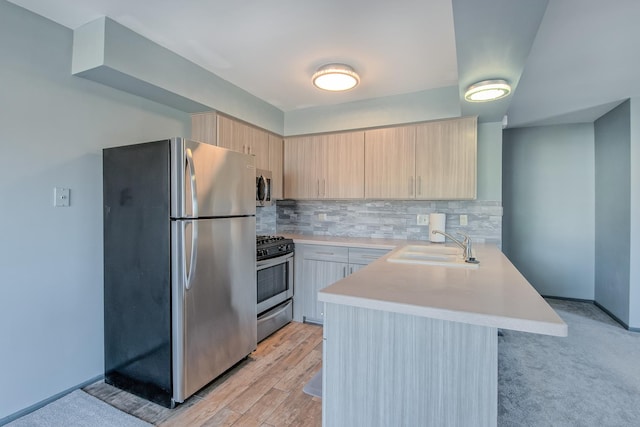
x=275 y=281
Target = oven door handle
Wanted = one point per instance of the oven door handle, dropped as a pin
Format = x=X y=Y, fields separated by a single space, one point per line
x=278 y=310
x=266 y=263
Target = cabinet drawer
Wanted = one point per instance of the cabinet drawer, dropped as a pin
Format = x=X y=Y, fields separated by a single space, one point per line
x=365 y=256
x=326 y=253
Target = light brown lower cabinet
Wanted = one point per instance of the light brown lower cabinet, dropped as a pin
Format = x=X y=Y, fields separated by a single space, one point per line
x=319 y=266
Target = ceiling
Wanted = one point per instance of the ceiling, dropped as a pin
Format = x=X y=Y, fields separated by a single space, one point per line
x=569 y=60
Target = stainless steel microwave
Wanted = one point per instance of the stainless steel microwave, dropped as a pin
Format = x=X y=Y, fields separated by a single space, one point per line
x=263 y=187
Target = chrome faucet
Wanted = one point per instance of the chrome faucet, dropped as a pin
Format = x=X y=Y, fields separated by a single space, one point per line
x=465 y=245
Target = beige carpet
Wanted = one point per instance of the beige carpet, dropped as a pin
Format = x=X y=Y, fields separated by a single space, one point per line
x=78 y=409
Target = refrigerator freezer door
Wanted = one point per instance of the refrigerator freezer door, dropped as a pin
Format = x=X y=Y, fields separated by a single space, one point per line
x=222 y=180
x=137 y=270
x=214 y=320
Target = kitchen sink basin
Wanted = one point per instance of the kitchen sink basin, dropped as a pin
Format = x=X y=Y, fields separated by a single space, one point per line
x=445 y=256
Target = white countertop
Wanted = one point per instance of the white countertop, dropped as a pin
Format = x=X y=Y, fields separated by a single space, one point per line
x=494 y=295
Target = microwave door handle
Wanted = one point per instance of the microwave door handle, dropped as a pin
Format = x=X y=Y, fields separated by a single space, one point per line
x=192 y=182
x=267 y=194
x=261 y=195
x=259 y=189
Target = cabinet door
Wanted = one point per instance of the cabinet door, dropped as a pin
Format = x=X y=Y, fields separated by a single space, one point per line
x=203 y=127
x=389 y=163
x=230 y=135
x=343 y=166
x=302 y=167
x=238 y=136
x=257 y=142
x=319 y=275
x=276 y=159
x=361 y=257
x=446 y=154
x=355 y=267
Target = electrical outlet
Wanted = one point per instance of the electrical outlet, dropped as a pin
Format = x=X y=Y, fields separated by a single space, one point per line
x=464 y=220
x=423 y=219
x=322 y=217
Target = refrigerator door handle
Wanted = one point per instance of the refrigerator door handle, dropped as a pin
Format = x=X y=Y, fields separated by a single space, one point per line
x=192 y=182
x=189 y=271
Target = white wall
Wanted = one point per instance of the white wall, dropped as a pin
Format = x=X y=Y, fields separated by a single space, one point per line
x=634 y=256
x=548 y=199
x=612 y=211
x=433 y=104
x=52 y=129
x=617 y=150
x=490 y=161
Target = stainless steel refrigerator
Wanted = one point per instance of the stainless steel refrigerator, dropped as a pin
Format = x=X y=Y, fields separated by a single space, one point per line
x=179 y=266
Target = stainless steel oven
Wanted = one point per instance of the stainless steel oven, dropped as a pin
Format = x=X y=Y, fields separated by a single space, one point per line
x=274 y=283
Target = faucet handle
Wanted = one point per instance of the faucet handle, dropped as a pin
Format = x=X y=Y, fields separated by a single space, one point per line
x=468 y=252
x=467 y=238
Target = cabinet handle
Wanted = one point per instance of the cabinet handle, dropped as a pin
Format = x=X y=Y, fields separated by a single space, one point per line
x=351 y=270
x=420 y=185
x=318 y=188
x=324 y=253
x=344 y=271
x=324 y=188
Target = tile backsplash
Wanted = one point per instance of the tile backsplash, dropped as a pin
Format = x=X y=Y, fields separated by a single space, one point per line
x=392 y=219
x=266 y=220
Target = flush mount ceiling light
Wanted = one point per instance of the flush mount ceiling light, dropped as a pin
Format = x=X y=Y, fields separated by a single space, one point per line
x=488 y=90
x=335 y=77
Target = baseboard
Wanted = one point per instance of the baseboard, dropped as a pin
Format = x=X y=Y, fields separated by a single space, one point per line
x=568 y=299
x=610 y=314
x=45 y=402
x=614 y=317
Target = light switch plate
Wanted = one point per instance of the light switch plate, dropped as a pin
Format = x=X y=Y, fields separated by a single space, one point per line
x=61 y=197
x=423 y=219
x=464 y=220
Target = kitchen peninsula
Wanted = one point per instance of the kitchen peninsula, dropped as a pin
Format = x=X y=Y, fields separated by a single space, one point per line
x=416 y=344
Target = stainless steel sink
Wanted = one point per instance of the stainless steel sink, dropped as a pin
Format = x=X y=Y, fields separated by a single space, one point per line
x=445 y=256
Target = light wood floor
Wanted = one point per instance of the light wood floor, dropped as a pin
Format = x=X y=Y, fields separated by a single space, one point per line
x=264 y=390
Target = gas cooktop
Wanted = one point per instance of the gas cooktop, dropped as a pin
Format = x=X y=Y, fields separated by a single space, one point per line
x=272 y=246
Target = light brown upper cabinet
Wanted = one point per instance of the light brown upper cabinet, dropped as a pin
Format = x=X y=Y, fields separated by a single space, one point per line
x=203 y=127
x=428 y=161
x=390 y=163
x=214 y=128
x=446 y=159
x=276 y=165
x=241 y=137
x=327 y=166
